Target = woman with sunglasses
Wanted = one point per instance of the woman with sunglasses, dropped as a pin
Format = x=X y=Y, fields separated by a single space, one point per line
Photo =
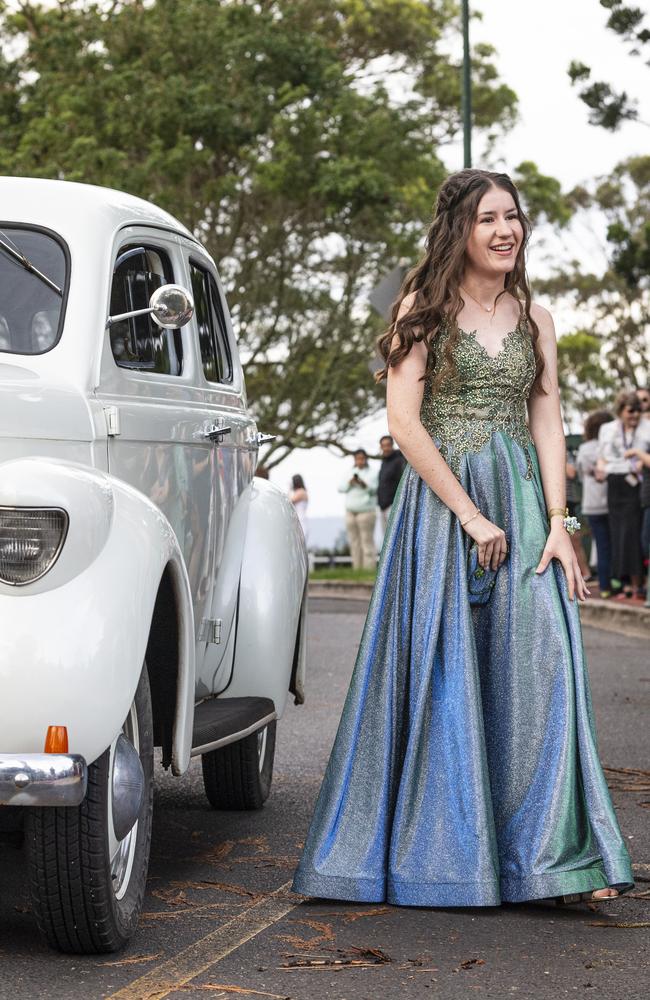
x=619 y=444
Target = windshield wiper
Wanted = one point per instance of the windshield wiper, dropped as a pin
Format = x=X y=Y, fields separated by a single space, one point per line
x=10 y=248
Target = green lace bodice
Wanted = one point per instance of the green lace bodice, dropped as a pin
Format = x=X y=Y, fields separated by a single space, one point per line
x=490 y=395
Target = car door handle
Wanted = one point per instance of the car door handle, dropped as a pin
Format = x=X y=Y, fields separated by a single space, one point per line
x=263 y=438
x=215 y=433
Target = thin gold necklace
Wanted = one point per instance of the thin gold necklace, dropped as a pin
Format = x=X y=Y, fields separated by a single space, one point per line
x=488 y=309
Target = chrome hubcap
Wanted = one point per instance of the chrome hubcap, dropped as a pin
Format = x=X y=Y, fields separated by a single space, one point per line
x=121 y=850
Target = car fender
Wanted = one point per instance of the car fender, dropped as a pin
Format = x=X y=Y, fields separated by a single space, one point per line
x=72 y=643
x=272 y=590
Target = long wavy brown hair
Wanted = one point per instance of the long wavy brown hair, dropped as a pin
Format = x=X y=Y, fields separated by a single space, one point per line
x=436 y=279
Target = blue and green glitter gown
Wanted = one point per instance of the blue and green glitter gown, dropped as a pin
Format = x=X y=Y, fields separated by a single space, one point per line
x=465 y=770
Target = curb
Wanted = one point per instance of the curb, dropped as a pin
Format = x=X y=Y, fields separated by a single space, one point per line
x=616 y=618
x=595 y=612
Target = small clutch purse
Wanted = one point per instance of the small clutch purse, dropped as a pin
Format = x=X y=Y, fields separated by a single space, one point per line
x=480 y=581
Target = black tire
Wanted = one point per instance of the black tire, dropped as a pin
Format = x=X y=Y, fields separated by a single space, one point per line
x=74 y=895
x=239 y=775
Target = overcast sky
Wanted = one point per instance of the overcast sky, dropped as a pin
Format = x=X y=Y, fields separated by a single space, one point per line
x=535 y=43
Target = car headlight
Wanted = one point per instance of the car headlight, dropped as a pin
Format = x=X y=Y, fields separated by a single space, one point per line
x=31 y=539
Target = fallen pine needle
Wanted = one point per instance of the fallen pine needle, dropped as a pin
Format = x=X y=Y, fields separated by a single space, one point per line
x=237 y=989
x=355 y=915
x=606 y=923
x=627 y=779
x=356 y=958
x=134 y=959
x=470 y=962
x=628 y=770
x=350 y=917
x=329 y=968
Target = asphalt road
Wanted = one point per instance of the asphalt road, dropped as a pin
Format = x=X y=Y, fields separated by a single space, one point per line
x=219 y=920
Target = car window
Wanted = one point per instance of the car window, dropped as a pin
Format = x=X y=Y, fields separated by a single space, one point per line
x=138 y=342
x=213 y=340
x=31 y=304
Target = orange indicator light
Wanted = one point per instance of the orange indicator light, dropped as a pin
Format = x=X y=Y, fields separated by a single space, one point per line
x=56 y=740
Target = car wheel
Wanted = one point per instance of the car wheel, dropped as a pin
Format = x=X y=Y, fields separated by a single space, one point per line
x=238 y=776
x=88 y=865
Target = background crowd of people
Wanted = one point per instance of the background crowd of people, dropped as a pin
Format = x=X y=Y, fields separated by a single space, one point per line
x=612 y=465
x=369 y=489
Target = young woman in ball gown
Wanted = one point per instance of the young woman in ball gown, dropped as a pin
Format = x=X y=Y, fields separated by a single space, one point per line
x=465 y=770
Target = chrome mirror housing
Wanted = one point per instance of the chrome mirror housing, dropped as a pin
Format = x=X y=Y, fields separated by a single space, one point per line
x=171 y=306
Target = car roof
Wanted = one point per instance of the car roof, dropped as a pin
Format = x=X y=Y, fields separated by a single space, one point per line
x=89 y=219
x=74 y=210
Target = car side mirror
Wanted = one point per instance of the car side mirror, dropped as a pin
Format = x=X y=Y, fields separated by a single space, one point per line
x=170 y=306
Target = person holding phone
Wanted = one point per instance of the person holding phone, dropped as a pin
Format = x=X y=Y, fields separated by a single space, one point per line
x=360 y=488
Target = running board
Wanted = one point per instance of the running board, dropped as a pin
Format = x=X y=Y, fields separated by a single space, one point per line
x=219 y=721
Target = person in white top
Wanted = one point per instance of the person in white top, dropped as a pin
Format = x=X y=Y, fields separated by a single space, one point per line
x=360 y=488
x=300 y=500
x=643 y=395
x=615 y=442
x=594 y=496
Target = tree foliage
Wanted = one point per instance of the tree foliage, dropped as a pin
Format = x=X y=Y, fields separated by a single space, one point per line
x=585 y=382
x=543 y=196
x=299 y=139
x=609 y=107
x=611 y=349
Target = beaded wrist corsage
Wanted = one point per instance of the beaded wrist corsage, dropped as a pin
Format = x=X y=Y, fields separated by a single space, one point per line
x=572 y=524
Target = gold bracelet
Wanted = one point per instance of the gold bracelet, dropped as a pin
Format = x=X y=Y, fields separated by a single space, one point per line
x=475 y=514
x=561 y=511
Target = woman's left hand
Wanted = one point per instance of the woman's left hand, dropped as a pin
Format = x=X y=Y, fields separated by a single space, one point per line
x=558 y=546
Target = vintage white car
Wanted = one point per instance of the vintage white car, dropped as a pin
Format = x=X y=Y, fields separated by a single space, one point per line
x=152 y=592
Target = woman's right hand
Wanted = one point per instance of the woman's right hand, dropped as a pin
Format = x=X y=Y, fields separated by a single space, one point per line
x=490 y=539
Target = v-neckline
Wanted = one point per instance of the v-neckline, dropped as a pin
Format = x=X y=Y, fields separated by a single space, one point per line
x=504 y=343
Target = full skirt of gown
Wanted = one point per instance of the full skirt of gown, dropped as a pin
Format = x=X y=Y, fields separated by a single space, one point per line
x=465 y=770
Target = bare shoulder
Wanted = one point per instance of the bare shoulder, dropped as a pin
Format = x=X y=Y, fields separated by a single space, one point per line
x=417 y=357
x=406 y=304
x=544 y=321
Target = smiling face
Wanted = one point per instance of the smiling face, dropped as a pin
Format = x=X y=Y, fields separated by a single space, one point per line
x=496 y=236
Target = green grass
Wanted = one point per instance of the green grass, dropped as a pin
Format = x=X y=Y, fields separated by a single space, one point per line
x=344 y=573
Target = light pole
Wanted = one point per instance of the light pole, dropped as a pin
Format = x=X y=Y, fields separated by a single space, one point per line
x=467 y=89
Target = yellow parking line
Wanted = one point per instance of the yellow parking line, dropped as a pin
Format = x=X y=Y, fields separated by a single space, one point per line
x=209 y=950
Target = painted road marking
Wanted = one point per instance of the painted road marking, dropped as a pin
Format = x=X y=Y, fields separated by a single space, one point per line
x=209 y=950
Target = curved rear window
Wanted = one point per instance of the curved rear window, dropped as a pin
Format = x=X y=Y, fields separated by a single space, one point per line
x=33 y=280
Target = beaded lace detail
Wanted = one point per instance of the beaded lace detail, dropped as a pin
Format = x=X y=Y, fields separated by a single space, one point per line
x=489 y=395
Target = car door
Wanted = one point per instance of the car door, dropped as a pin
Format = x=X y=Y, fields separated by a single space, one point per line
x=151 y=387
x=235 y=453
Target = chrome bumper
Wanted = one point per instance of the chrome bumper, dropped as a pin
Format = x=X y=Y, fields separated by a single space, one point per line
x=42 y=779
